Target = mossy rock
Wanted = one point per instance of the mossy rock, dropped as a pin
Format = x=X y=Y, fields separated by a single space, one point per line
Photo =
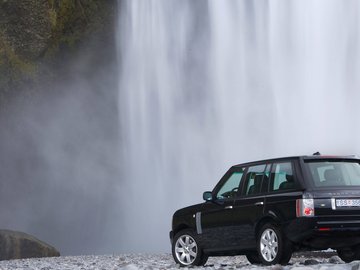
x=25 y=26
x=18 y=245
x=40 y=40
x=75 y=21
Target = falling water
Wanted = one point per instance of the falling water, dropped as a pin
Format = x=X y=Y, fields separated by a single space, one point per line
x=207 y=84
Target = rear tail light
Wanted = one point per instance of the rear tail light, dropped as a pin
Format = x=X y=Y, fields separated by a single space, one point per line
x=305 y=208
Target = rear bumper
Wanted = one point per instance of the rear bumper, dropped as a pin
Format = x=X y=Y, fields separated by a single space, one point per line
x=324 y=232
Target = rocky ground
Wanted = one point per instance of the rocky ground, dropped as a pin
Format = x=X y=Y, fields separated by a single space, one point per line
x=165 y=261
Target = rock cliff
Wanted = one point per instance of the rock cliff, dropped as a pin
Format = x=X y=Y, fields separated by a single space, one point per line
x=39 y=39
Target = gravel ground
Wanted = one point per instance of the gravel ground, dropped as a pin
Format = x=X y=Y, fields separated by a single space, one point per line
x=165 y=261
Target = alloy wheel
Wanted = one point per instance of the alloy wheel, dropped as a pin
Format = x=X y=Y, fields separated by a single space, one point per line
x=186 y=249
x=269 y=245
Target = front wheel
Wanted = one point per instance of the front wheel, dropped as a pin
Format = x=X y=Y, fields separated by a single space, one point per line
x=186 y=250
x=272 y=247
x=253 y=258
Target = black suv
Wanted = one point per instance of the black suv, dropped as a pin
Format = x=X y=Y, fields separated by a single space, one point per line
x=268 y=209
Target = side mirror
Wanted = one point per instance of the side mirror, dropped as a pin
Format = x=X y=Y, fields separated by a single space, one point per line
x=207 y=196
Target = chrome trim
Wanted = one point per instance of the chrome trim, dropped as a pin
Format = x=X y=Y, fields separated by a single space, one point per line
x=198 y=223
x=339 y=222
x=333 y=204
x=259 y=203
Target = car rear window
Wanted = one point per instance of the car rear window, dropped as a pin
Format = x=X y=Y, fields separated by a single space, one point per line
x=334 y=173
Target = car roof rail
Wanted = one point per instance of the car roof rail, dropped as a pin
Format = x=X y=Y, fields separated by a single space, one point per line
x=353 y=156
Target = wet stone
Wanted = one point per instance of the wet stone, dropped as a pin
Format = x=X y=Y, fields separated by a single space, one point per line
x=355 y=265
x=335 y=260
x=277 y=267
x=302 y=268
x=311 y=262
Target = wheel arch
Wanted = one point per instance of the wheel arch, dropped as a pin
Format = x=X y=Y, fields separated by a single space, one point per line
x=181 y=227
x=266 y=219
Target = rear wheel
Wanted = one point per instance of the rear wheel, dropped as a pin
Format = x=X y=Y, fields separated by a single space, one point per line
x=272 y=247
x=186 y=250
x=349 y=254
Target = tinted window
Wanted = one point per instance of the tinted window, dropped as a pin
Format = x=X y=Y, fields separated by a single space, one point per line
x=231 y=186
x=282 y=177
x=253 y=179
x=330 y=173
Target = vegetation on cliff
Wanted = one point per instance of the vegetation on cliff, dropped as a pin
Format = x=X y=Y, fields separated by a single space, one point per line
x=38 y=40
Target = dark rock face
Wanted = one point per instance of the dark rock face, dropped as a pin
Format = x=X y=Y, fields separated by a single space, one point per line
x=66 y=82
x=17 y=245
x=41 y=39
x=26 y=26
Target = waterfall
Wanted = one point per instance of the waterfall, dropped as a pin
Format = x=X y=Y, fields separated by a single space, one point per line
x=204 y=85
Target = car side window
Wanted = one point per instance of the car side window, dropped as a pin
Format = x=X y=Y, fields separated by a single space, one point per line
x=282 y=177
x=231 y=186
x=253 y=179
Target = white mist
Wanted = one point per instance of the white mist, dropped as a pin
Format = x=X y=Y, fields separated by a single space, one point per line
x=204 y=85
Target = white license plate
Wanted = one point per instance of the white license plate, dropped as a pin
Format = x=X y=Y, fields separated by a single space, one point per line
x=348 y=203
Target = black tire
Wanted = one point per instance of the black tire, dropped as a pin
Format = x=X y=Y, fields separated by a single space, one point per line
x=253 y=258
x=349 y=254
x=186 y=249
x=204 y=260
x=287 y=252
x=272 y=246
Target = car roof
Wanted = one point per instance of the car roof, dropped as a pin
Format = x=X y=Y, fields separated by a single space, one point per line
x=307 y=158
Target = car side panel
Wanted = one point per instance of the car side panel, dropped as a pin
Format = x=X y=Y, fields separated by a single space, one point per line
x=281 y=207
x=247 y=212
x=217 y=225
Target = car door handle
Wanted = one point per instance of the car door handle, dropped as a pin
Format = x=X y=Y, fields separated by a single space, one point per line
x=259 y=203
x=228 y=207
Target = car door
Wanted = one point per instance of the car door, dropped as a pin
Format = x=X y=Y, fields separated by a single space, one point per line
x=284 y=190
x=217 y=219
x=249 y=207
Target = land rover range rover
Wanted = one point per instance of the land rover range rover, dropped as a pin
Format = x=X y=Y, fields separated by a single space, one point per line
x=268 y=209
